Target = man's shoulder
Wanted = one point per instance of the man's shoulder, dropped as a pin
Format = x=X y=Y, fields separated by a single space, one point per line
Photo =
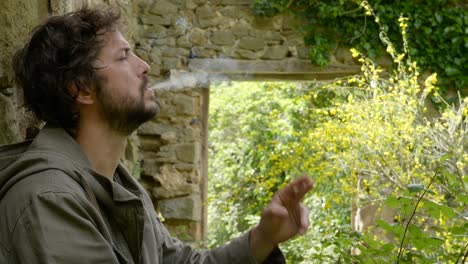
x=37 y=184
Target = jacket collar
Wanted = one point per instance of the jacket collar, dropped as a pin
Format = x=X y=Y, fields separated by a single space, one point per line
x=56 y=141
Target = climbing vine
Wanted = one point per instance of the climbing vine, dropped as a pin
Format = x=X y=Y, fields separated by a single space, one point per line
x=437 y=30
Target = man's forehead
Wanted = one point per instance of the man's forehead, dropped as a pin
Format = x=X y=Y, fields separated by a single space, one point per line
x=113 y=40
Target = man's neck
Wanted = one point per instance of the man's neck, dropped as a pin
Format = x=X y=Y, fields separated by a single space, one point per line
x=102 y=146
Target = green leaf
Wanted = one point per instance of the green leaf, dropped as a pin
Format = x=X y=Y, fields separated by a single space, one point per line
x=415 y=187
x=447 y=211
x=451 y=71
x=434 y=241
x=392 y=202
x=462 y=198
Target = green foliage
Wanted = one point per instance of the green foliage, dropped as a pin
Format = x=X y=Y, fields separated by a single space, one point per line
x=437 y=34
x=366 y=140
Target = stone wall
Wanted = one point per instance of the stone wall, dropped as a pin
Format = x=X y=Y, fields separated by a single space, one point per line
x=178 y=37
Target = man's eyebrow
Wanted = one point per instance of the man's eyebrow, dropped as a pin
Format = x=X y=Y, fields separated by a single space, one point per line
x=124 y=48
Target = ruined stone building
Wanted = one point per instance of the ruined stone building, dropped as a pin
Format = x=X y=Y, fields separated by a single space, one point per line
x=188 y=42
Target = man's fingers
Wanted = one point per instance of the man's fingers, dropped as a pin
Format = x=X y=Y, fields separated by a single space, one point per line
x=304 y=220
x=295 y=191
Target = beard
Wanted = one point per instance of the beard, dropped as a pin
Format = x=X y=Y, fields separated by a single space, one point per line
x=124 y=114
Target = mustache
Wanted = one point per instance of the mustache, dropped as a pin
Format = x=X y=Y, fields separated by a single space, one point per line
x=144 y=84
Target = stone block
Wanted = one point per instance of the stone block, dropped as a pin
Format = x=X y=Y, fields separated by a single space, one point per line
x=156 y=20
x=205 y=12
x=223 y=38
x=151 y=128
x=267 y=23
x=201 y=52
x=272 y=35
x=168 y=41
x=8 y=127
x=183 y=190
x=189 y=152
x=155 y=31
x=185 y=105
x=188 y=208
x=211 y=22
x=174 y=52
x=200 y=2
x=198 y=37
x=248 y=54
x=251 y=43
x=169 y=137
x=163 y=7
x=170 y=63
x=275 y=52
x=241 y=29
x=184 y=42
x=190 y=4
x=237 y=12
x=185 y=167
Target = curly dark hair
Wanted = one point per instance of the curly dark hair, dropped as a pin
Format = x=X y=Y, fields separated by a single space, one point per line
x=59 y=54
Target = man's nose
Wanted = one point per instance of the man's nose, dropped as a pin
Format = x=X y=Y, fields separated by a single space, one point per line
x=144 y=66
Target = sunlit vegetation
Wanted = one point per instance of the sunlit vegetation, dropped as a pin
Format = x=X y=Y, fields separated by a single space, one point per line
x=370 y=139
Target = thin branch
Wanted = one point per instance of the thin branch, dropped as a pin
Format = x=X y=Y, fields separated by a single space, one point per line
x=400 y=251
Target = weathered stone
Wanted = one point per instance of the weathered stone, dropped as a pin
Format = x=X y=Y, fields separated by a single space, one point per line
x=211 y=22
x=241 y=29
x=251 y=43
x=185 y=167
x=163 y=7
x=174 y=52
x=155 y=31
x=198 y=37
x=272 y=35
x=8 y=128
x=169 y=137
x=267 y=23
x=248 y=54
x=190 y=4
x=223 y=38
x=190 y=134
x=343 y=55
x=201 y=52
x=169 y=41
x=205 y=12
x=303 y=52
x=188 y=207
x=186 y=189
x=149 y=143
x=200 y=2
x=155 y=70
x=238 y=12
x=171 y=63
x=156 y=20
x=275 y=52
x=185 y=105
x=189 y=152
x=151 y=128
x=184 y=42
x=156 y=56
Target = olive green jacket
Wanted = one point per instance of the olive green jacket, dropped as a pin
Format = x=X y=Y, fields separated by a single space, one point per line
x=55 y=209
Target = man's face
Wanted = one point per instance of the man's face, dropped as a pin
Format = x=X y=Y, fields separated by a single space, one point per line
x=123 y=97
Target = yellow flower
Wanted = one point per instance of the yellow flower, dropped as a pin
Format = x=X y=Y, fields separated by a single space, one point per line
x=354 y=52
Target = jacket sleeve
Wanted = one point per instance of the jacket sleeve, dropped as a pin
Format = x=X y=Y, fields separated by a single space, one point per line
x=56 y=228
x=237 y=251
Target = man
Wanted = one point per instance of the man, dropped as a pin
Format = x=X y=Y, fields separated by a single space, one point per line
x=64 y=197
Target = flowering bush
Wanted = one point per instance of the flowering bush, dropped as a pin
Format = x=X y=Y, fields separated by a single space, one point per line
x=372 y=139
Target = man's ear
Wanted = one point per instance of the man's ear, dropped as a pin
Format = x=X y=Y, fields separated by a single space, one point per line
x=83 y=94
